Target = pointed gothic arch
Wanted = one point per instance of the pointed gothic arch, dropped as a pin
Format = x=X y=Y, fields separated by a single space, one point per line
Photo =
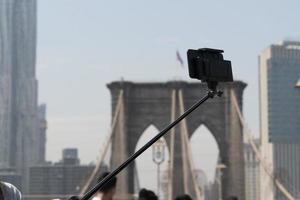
x=205 y=150
x=145 y=167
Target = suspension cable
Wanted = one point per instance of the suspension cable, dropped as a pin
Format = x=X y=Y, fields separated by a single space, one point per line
x=106 y=145
x=172 y=140
x=258 y=155
x=187 y=148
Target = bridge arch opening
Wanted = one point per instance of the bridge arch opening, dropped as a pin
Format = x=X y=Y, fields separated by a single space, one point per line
x=146 y=170
x=205 y=154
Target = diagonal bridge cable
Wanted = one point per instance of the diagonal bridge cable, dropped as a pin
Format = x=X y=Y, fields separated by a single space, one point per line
x=258 y=155
x=106 y=145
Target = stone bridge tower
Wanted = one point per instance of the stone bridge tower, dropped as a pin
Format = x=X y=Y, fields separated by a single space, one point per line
x=150 y=103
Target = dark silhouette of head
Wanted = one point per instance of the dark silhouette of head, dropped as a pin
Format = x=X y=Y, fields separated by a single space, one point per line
x=1 y=193
x=183 y=197
x=232 y=198
x=109 y=185
x=108 y=190
x=145 y=194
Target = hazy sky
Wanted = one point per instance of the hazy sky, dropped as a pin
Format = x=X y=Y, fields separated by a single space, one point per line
x=85 y=44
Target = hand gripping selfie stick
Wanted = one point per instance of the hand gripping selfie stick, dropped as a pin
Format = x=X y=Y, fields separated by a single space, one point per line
x=204 y=64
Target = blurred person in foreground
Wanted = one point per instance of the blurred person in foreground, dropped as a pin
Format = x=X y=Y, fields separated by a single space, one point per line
x=183 y=197
x=145 y=194
x=108 y=190
x=9 y=192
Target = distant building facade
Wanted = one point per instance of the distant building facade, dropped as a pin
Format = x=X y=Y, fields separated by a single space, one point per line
x=215 y=187
x=18 y=86
x=252 y=173
x=60 y=179
x=203 y=183
x=279 y=72
x=42 y=128
x=70 y=156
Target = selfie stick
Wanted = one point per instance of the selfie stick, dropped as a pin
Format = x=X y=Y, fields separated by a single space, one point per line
x=210 y=94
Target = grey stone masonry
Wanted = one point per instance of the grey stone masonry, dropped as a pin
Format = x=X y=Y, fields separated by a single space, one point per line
x=147 y=104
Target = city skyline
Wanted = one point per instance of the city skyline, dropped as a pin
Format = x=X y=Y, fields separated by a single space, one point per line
x=67 y=67
x=95 y=43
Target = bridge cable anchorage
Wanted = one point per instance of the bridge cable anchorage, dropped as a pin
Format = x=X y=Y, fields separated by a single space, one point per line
x=172 y=142
x=104 y=150
x=258 y=155
x=187 y=150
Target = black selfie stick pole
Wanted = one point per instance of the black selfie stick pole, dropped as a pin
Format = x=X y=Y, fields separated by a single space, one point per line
x=89 y=194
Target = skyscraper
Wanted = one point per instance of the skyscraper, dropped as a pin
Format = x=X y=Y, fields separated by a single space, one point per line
x=280 y=117
x=18 y=85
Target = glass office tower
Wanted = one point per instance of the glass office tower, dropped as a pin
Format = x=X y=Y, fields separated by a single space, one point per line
x=18 y=86
x=279 y=67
